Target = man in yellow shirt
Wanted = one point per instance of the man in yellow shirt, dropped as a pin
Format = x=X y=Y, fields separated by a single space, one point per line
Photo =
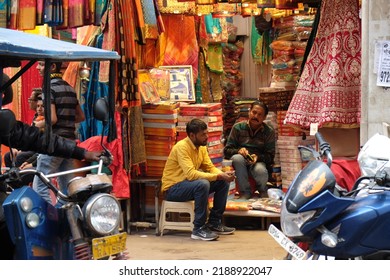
x=189 y=174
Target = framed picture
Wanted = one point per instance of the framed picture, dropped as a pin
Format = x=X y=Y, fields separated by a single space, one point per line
x=181 y=83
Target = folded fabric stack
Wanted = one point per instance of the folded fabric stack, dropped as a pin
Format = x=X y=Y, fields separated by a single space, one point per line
x=160 y=122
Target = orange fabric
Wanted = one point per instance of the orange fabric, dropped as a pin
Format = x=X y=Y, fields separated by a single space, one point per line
x=181 y=47
x=86 y=33
x=27 y=14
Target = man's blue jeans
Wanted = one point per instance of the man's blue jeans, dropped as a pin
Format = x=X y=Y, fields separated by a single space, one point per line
x=49 y=165
x=199 y=191
x=243 y=169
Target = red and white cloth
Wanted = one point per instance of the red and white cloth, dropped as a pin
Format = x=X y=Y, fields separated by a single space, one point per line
x=329 y=91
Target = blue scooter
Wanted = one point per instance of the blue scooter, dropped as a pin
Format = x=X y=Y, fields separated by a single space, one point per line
x=332 y=221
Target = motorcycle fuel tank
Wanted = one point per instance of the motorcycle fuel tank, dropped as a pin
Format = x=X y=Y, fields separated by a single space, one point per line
x=362 y=229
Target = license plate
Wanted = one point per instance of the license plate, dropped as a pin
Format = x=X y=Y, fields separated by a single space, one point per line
x=286 y=243
x=108 y=245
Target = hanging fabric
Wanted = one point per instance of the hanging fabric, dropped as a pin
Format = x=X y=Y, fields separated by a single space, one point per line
x=109 y=41
x=100 y=7
x=256 y=44
x=329 y=89
x=183 y=46
x=150 y=19
x=129 y=96
x=52 y=12
x=3 y=13
x=216 y=29
x=204 y=79
x=40 y=12
x=65 y=15
x=214 y=59
x=76 y=13
x=27 y=14
x=13 y=20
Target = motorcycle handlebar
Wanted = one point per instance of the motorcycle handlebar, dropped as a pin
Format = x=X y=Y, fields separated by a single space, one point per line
x=325 y=148
x=14 y=174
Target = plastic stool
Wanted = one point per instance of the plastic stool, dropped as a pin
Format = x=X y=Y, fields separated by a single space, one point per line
x=176 y=207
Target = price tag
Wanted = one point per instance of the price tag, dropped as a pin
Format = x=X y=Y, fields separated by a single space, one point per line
x=313 y=128
x=383 y=78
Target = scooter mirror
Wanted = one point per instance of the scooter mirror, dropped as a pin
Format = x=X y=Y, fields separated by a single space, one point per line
x=100 y=110
x=7 y=121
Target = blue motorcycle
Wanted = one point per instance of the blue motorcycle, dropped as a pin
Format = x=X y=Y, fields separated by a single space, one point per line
x=85 y=225
x=331 y=221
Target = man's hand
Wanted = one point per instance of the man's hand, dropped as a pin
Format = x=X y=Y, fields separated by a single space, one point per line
x=25 y=165
x=226 y=176
x=252 y=159
x=244 y=152
x=92 y=155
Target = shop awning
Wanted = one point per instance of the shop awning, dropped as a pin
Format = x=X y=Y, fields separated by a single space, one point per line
x=17 y=45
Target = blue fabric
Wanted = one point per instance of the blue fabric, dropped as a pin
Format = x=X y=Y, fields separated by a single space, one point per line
x=91 y=127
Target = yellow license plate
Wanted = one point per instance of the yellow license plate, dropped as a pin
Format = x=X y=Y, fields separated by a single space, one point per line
x=108 y=245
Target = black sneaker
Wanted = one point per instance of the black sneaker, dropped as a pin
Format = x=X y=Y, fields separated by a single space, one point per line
x=221 y=229
x=204 y=233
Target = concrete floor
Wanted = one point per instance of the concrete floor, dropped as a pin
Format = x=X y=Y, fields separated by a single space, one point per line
x=244 y=244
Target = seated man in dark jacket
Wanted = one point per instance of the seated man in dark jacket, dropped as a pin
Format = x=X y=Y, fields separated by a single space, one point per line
x=28 y=138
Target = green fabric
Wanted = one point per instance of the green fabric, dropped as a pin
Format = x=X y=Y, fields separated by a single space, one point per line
x=214 y=59
x=256 y=43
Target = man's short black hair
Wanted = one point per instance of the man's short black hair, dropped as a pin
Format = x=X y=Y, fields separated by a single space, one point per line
x=261 y=104
x=195 y=126
x=58 y=67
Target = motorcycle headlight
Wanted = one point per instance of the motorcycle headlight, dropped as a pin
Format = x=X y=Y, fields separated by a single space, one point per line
x=26 y=204
x=102 y=213
x=32 y=220
x=292 y=222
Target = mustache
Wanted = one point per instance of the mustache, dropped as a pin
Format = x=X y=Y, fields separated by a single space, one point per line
x=256 y=120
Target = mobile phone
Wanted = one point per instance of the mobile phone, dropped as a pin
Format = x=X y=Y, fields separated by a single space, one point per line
x=248 y=156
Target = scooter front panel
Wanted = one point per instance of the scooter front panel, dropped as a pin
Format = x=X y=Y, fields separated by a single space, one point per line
x=312 y=180
x=40 y=242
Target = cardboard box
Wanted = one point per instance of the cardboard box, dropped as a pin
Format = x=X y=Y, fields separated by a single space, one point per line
x=344 y=142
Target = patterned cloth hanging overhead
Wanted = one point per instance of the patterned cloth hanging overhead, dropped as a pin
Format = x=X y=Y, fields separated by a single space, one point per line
x=329 y=92
x=129 y=96
x=182 y=47
x=149 y=14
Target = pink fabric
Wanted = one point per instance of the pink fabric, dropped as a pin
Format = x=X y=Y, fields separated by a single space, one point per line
x=328 y=91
